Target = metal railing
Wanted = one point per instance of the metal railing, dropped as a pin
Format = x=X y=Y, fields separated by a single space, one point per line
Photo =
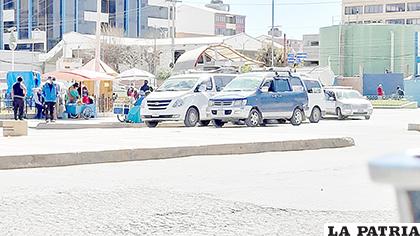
x=6 y=106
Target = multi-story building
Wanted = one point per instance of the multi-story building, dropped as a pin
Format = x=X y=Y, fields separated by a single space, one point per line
x=381 y=11
x=40 y=24
x=208 y=21
x=311 y=48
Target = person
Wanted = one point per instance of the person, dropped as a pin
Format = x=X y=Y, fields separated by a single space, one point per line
x=130 y=90
x=400 y=92
x=85 y=95
x=18 y=95
x=145 y=86
x=39 y=103
x=380 y=91
x=50 y=94
x=73 y=93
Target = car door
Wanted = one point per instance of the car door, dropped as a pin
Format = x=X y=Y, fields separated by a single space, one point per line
x=285 y=97
x=330 y=102
x=316 y=95
x=267 y=99
x=201 y=99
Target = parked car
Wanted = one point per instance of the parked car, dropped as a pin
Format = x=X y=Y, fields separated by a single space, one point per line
x=346 y=103
x=316 y=96
x=257 y=98
x=183 y=98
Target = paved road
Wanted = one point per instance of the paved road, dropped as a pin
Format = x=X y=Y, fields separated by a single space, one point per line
x=264 y=194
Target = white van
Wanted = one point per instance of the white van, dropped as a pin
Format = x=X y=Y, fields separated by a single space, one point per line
x=183 y=98
x=316 y=96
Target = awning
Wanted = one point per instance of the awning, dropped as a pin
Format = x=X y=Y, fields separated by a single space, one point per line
x=79 y=75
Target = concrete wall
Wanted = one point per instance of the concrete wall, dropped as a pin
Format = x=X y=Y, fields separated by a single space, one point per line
x=353 y=82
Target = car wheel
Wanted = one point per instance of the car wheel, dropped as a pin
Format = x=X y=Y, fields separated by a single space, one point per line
x=151 y=124
x=297 y=117
x=192 y=117
x=218 y=123
x=367 y=117
x=339 y=114
x=315 y=115
x=254 y=118
x=204 y=123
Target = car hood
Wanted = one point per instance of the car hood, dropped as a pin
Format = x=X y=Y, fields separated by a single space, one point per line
x=355 y=101
x=233 y=95
x=167 y=95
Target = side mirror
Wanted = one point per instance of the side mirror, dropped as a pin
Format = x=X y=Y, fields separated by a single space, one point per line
x=201 y=88
x=265 y=89
x=310 y=91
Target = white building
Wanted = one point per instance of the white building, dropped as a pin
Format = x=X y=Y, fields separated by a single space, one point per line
x=195 y=21
x=311 y=48
x=381 y=11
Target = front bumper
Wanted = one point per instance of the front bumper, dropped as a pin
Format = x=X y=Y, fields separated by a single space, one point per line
x=357 y=112
x=229 y=113
x=169 y=114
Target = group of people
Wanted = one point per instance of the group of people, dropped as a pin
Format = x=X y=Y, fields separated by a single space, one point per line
x=134 y=94
x=46 y=98
x=381 y=92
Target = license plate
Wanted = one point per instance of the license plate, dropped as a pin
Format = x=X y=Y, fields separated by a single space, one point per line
x=360 y=111
x=220 y=112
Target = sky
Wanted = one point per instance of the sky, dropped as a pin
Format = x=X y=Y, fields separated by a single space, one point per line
x=297 y=17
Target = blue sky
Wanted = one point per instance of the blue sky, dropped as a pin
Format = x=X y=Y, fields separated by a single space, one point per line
x=296 y=17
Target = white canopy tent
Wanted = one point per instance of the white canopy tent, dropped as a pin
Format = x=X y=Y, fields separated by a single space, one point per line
x=136 y=75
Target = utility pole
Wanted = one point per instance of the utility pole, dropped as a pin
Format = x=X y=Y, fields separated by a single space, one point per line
x=98 y=36
x=172 y=18
x=272 y=33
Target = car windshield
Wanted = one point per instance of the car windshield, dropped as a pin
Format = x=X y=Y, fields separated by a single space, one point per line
x=349 y=94
x=178 y=84
x=244 y=84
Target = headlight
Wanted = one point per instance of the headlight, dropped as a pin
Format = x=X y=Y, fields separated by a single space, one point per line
x=239 y=103
x=178 y=103
x=211 y=103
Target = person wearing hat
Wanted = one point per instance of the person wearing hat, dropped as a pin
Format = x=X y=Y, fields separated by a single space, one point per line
x=18 y=95
x=50 y=93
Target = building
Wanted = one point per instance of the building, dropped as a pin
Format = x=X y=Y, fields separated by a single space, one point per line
x=356 y=49
x=381 y=11
x=311 y=48
x=207 y=22
x=293 y=45
x=40 y=24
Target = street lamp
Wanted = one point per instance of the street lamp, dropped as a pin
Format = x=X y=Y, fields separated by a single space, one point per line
x=272 y=33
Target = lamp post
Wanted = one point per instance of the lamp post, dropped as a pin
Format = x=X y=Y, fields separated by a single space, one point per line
x=172 y=18
x=272 y=33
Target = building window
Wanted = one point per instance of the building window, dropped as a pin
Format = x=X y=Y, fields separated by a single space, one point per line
x=7 y=25
x=230 y=20
x=9 y=4
x=230 y=32
x=398 y=7
x=314 y=44
x=413 y=6
x=415 y=21
x=355 y=10
x=396 y=21
x=374 y=9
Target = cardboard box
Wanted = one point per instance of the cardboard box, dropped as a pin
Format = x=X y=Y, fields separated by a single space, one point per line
x=15 y=128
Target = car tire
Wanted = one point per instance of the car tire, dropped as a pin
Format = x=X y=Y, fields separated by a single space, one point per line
x=204 y=123
x=151 y=124
x=192 y=117
x=339 y=114
x=367 y=117
x=218 y=123
x=316 y=115
x=297 y=117
x=254 y=118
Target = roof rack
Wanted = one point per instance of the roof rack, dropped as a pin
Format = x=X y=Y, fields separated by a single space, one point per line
x=277 y=70
x=215 y=70
x=338 y=87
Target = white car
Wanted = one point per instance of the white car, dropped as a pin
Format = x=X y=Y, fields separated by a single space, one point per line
x=183 y=98
x=346 y=103
x=316 y=99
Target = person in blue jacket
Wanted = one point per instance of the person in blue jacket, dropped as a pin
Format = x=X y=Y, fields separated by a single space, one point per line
x=50 y=93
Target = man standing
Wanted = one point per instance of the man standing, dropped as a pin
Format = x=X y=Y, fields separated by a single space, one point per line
x=18 y=95
x=49 y=91
x=145 y=86
x=380 y=91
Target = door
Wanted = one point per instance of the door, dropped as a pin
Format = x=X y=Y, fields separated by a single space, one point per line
x=330 y=103
x=284 y=98
x=201 y=99
x=267 y=99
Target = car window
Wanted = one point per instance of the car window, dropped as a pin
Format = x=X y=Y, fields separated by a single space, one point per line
x=222 y=81
x=282 y=85
x=313 y=86
x=296 y=84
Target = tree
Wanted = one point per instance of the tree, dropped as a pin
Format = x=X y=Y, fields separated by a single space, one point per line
x=264 y=55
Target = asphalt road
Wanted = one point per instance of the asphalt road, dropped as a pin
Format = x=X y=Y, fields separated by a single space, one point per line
x=264 y=194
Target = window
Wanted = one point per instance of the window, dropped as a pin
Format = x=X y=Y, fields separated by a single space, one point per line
x=208 y=83
x=230 y=20
x=398 y=7
x=296 y=84
x=396 y=21
x=415 y=21
x=281 y=85
x=222 y=81
x=313 y=86
x=9 y=5
x=229 y=32
x=314 y=43
x=7 y=25
x=374 y=9
x=353 y=10
x=413 y=6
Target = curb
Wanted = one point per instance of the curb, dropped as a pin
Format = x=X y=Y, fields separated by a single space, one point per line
x=142 y=154
x=413 y=127
x=110 y=125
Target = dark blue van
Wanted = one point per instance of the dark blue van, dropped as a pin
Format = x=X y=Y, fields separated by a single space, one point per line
x=257 y=98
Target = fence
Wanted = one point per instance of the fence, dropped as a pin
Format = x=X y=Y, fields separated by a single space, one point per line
x=6 y=106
